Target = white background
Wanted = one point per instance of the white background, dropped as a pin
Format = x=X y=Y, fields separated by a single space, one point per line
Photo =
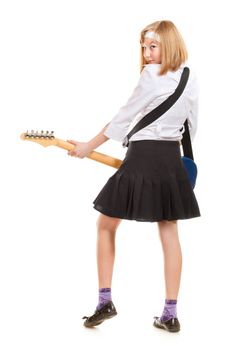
x=69 y=66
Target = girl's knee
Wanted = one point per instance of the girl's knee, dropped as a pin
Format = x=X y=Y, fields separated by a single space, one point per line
x=105 y=222
x=168 y=229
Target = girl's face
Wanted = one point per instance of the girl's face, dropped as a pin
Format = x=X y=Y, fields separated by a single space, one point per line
x=151 y=51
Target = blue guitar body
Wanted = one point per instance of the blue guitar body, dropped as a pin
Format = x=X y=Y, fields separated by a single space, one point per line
x=191 y=169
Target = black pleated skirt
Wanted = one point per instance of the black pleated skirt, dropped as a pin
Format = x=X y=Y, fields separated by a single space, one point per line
x=151 y=185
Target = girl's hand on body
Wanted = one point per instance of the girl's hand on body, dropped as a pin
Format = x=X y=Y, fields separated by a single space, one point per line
x=81 y=150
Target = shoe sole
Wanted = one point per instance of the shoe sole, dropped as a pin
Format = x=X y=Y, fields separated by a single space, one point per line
x=96 y=323
x=166 y=329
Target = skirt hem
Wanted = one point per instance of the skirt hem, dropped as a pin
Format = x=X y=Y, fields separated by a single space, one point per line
x=123 y=217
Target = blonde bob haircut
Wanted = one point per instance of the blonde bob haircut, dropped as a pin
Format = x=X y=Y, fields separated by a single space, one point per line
x=173 y=49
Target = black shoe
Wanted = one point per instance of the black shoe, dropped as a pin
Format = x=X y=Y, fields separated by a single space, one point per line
x=106 y=312
x=171 y=325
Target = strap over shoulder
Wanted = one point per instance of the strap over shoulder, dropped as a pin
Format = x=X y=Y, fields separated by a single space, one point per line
x=161 y=109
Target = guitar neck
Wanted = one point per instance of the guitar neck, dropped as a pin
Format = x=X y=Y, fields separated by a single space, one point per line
x=97 y=156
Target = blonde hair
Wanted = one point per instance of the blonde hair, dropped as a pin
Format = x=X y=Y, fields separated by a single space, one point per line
x=173 y=49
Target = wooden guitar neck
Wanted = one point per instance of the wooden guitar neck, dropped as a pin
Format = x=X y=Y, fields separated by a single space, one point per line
x=48 y=139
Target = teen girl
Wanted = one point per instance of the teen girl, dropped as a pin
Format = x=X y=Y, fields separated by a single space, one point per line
x=151 y=184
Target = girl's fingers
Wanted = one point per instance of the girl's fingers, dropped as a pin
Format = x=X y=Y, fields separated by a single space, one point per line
x=72 y=153
x=72 y=141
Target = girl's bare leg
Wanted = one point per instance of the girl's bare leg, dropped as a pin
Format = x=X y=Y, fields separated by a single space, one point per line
x=168 y=232
x=106 y=231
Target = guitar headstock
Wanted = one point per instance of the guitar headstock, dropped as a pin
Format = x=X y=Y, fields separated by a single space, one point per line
x=44 y=138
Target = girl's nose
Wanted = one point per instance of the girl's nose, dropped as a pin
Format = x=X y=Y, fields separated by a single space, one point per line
x=147 y=53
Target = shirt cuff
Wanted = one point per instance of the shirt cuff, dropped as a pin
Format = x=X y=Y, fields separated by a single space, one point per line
x=115 y=133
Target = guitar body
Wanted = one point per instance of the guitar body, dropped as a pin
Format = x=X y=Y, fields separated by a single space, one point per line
x=191 y=169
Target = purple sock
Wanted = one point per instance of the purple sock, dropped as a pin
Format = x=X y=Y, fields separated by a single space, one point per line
x=104 y=297
x=170 y=310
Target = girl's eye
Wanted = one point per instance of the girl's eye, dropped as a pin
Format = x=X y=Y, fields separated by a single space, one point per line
x=153 y=46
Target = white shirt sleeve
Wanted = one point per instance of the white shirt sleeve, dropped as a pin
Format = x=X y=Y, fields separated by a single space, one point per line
x=140 y=98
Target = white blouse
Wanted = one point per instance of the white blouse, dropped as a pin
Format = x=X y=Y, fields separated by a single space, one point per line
x=152 y=89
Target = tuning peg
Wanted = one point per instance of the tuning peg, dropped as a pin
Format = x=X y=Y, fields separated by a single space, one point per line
x=42 y=134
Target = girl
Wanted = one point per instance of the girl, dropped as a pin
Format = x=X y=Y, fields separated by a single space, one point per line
x=151 y=184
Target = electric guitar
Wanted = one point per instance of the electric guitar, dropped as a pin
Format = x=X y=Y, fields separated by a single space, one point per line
x=48 y=139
